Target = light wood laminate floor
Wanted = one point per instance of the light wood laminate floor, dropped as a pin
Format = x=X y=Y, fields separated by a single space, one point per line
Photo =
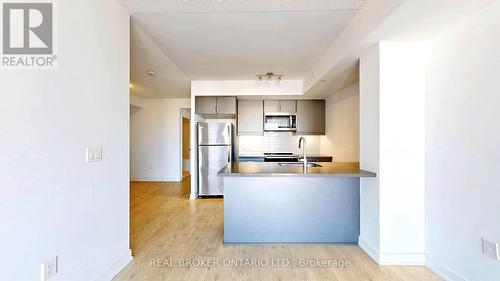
x=165 y=225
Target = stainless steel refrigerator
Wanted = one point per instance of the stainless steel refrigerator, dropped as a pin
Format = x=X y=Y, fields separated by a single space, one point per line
x=215 y=150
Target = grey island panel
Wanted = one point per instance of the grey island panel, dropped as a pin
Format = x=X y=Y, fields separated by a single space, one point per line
x=291 y=210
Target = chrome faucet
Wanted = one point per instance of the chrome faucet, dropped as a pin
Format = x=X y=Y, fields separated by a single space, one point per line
x=304 y=151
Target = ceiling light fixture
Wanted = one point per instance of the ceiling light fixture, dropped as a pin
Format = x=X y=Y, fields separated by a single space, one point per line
x=270 y=76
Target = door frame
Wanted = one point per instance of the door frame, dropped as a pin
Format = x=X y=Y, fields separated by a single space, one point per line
x=184 y=113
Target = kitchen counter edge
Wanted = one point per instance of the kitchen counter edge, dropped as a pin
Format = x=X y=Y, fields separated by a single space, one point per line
x=330 y=171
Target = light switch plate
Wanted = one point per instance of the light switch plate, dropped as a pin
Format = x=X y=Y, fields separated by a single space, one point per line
x=49 y=269
x=490 y=249
x=94 y=154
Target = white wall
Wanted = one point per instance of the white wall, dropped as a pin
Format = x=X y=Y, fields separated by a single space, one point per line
x=402 y=153
x=392 y=143
x=52 y=201
x=155 y=140
x=463 y=137
x=342 y=125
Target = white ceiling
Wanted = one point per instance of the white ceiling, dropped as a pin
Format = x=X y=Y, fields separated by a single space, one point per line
x=229 y=40
x=317 y=41
x=237 y=46
x=170 y=81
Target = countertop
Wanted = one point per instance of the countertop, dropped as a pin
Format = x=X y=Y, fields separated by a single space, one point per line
x=259 y=169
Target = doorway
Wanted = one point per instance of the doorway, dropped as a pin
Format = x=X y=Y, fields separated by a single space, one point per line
x=186 y=147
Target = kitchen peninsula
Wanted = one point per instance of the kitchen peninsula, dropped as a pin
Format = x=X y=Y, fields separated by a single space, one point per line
x=287 y=203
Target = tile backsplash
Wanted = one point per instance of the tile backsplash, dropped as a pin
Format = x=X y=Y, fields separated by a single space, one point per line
x=276 y=142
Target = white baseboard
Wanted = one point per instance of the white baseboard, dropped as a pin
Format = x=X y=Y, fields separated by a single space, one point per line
x=116 y=267
x=391 y=258
x=443 y=271
x=402 y=259
x=369 y=249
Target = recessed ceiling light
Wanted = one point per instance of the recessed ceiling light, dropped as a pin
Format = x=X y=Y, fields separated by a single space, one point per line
x=151 y=72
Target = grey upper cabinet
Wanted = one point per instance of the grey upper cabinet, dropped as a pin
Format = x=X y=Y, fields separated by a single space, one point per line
x=226 y=105
x=271 y=106
x=250 y=117
x=311 y=117
x=288 y=106
x=206 y=105
x=280 y=106
x=215 y=107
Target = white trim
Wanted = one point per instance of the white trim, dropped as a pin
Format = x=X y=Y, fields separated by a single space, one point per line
x=181 y=146
x=402 y=259
x=194 y=149
x=443 y=271
x=391 y=258
x=116 y=267
x=369 y=249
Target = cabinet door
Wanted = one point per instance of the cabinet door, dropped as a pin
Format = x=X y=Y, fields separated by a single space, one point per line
x=311 y=117
x=206 y=105
x=250 y=117
x=288 y=106
x=271 y=106
x=226 y=105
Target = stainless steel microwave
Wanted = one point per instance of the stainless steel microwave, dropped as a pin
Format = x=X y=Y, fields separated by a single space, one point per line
x=280 y=121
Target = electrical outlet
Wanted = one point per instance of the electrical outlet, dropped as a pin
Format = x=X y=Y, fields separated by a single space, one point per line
x=94 y=154
x=49 y=269
x=490 y=249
